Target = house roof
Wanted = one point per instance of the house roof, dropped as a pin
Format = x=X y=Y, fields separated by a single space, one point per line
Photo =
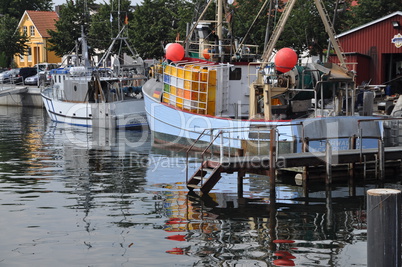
x=43 y=21
x=397 y=13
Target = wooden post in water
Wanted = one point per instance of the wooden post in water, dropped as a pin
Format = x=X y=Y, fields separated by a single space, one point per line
x=240 y=177
x=352 y=166
x=272 y=157
x=383 y=227
x=381 y=159
x=328 y=162
x=305 y=146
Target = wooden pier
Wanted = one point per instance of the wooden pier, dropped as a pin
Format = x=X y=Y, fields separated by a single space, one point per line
x=25 y=96
x=209 y=173
x=13 y=90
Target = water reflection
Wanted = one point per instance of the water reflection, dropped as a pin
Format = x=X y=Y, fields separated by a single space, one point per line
x=111 y=198
x=104 y=167
x=222 y=230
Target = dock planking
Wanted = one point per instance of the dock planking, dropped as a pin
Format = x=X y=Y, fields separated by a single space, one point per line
x=210 y=170
x=13 y=90
x=305 y=159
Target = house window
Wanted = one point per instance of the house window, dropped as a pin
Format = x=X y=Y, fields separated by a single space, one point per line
x=32 y=30
x=29 y=52
x=22 y=58
x=25 y=30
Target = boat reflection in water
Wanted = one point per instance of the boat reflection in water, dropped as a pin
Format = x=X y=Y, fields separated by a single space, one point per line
x=222 y=230
x=100 y=162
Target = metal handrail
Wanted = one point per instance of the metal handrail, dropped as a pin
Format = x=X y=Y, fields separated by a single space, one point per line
x=233 y=129
x=190 y=148
x=381 y=138
x=206 y=149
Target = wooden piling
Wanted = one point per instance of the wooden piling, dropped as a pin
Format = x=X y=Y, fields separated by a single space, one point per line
x=272 y=157
x=305 y=148
x=328 y=163
x=352 y=166
x=383 y=227
x=240 y=177
x=381 y=159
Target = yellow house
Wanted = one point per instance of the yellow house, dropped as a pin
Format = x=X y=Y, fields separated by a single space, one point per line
x=35 y=25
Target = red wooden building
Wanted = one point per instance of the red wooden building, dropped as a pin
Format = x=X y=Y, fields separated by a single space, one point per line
x=374 y=51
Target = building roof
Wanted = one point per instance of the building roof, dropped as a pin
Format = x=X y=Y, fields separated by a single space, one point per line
x=43 y=21
x=397 y=13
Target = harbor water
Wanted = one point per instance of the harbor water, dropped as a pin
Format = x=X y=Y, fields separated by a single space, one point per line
x=73 y=197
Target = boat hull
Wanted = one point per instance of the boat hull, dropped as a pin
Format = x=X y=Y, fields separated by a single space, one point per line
x=178 y=128
x=122 y=114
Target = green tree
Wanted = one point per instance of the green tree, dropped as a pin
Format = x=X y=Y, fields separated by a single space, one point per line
x=11 y=41
x=368 y=10
x=15 y=8
x=11 y=11
x=157 y=23
x=108 y=21
x=74 y=16
x=305 y=31
x=244 y=12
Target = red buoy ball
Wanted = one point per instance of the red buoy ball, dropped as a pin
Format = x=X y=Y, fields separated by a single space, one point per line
x=205 y=53
x=174 y=52
x=285 y=60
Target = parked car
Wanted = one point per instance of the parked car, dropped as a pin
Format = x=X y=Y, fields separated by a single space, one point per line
x=44 y=71
x=4 y=76
x=13 y=75
x=9 y=76
x=32 y=80
x=27 y=72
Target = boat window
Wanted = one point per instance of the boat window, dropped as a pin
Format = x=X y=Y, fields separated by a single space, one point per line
x=59 y=78
x=75 y=88
x=235 y=74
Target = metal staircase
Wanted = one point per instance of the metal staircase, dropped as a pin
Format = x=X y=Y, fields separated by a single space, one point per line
x=206 y=177
x=209 y=173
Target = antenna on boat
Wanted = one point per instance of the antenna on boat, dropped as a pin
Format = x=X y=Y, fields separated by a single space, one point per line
x=84 y=47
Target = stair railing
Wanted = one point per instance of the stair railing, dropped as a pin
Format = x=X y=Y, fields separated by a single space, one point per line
x=220 y=133
x=191 y=148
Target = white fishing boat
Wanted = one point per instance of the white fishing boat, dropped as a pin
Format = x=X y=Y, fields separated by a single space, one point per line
x=85 y=94
x=223 y=92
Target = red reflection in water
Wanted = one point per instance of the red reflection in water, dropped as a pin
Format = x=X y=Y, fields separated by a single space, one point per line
x=176 y=221
x=176 y=251
x=284 y=254
x=177 y=237
x=283 y=262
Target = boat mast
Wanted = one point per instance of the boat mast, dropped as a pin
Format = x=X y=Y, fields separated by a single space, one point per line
x=84 y=47
x=219 y=26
